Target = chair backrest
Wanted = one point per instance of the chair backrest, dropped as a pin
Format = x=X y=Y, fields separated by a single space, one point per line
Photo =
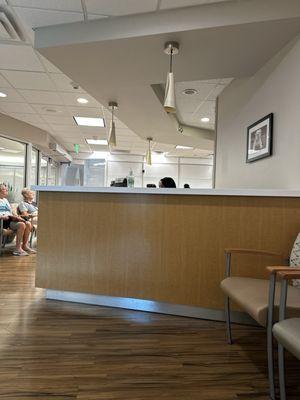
x=295 y=258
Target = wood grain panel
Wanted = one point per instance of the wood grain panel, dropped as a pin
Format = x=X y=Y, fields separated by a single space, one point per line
x=166 y=248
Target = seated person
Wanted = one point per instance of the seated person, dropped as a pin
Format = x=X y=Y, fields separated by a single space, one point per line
x=16 y=224
x=28 y=209
x=167 y=182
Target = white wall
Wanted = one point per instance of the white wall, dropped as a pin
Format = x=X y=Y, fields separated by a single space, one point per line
x=275 y=88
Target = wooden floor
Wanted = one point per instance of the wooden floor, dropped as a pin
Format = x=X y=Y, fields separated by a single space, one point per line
x=55 y=350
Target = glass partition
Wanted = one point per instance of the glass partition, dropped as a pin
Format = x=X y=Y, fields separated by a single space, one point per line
x=12 y=167
x=34 y=166
x=44 y=171
x=53 y=174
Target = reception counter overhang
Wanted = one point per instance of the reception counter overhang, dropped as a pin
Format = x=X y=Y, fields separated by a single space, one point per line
x=157 y=249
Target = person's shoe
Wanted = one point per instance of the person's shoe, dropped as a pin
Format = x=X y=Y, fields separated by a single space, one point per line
x=29 y=250
x=20 y=253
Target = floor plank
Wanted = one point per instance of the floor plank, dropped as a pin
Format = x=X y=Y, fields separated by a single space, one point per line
x=50 y=349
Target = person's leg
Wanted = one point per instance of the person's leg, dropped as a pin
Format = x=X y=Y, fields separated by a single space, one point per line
x=20 y=228
x=26 y=234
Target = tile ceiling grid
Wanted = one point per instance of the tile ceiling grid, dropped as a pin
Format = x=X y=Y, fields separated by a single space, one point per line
x=94 y=8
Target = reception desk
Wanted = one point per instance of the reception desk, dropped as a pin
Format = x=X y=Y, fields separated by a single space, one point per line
x=157 y=249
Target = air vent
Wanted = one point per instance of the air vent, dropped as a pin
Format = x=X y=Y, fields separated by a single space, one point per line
x=190 y=92
x=9 y=29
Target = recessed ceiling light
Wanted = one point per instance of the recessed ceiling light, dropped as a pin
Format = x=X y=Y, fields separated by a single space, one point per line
x=3 y=94
x=82 y=100
x=205 y=119
x=102 y=142
x=88 y=121
x=190 y=92
x=183 y=147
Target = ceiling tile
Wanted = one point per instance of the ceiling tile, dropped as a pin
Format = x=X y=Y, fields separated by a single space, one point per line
x=87 y=111
x=63 y=83
x=43 y=109
x=65 y=128
x=117 y=7
x=39 y=97
x=58 y=120
x=16 y=108
x=37 y=17
x=29 y=80
x=62 y=5
x=70 y=99
x=12 y=96
x=22 y=58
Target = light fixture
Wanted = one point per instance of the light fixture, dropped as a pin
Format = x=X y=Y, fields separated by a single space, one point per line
x=101 y=142
x=149 y=154
x=171 y=48
x=183 y=147
x=205 y=119
x=112 y=141
x=88 y=121
x=3 y=94
x=82 y=100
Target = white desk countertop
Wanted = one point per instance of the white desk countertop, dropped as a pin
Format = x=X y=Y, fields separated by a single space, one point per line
x=157 y=191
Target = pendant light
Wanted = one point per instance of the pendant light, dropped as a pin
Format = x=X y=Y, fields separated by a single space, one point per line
x=171 y=49
x=112 y=141
x=149 y=154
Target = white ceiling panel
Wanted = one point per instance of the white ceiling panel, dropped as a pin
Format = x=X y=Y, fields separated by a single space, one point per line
x=70 y=99
x=87 y=111
x=168 y=4
x=89 y=131
x=16 y=108
x=22 y=58
x=61 y=5
x=39 y=97
x=58 y=120
x=29 y=80
x=68 y=130
x=43 y=109
x=12 y=96
x=37 y=18
x=120 y=7
x=63 y=83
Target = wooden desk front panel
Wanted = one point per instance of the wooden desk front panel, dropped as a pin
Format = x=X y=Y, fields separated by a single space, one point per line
x=158 y=247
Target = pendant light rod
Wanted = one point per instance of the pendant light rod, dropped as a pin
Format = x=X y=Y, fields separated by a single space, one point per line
x=171 y=49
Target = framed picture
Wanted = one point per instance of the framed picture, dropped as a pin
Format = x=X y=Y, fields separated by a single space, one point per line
x=259 y=139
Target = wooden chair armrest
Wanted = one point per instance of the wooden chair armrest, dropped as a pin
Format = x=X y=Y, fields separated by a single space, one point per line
x=254 y=251
x=293 y=273
x=274 y=269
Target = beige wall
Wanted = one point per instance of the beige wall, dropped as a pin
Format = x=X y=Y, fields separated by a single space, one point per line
x=15 y=129
x=275 y=88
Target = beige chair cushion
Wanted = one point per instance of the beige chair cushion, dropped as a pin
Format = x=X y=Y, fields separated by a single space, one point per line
x=287 y=332
x=252 y=296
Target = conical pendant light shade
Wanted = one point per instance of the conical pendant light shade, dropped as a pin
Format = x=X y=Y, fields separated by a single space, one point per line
x=148 y=154
x=170 y=102
x=112 y=134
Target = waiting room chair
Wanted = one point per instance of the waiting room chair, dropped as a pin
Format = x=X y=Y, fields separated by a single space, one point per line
x=6 y=236
x=260 y=299
x=286 y=331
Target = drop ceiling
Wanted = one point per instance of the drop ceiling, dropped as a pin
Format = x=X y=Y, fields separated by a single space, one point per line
x=41 y=95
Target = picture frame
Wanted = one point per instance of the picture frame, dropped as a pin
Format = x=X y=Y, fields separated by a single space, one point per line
x=260 y=139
